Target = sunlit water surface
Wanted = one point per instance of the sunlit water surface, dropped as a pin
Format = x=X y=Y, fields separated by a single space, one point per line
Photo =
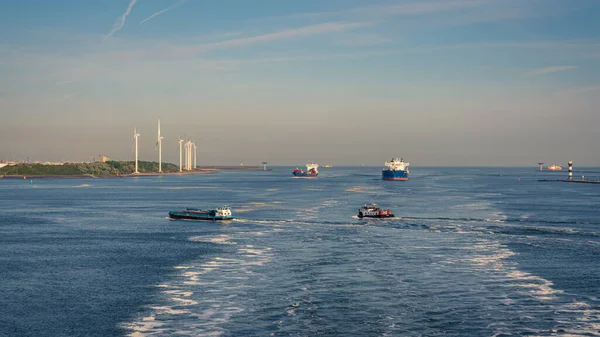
x=471 y=252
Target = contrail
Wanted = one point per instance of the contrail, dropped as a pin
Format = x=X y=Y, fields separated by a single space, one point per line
x=163 y=11
x=120 y=21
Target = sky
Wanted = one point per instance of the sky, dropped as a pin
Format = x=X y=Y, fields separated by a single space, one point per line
x=340 y=82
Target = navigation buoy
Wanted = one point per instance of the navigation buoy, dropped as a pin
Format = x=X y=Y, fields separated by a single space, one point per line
x=518 y=180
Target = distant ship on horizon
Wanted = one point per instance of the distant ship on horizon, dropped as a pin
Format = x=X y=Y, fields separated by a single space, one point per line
x=554 y=168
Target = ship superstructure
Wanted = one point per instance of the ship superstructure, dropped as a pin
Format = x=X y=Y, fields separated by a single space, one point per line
x=396 y=169
x=373 y=211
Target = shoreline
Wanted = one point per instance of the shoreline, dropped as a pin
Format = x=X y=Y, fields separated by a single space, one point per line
x=81 y=176
x=233 y=168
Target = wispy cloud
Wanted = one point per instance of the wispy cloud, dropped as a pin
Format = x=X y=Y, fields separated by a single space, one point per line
x=410 y=8
x=155 y=14
x=581 y=90
x=361 y=40
x=65 y=82
x=280 y=35
x=548 y=70
x=120 y=21
x=420 y=7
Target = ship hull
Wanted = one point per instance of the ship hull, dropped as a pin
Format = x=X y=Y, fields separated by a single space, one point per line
x=191 y=216
x=394 y=175
x=304 y=174
x=376 y=216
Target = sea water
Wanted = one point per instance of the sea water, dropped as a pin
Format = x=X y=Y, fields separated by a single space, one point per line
x=471 y=252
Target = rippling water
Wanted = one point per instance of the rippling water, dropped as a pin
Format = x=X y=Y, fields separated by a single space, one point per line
x=473 y=252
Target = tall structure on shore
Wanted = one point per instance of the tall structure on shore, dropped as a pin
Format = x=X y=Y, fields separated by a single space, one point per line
x=541 y=166
x=135 y=136
x=195 y=154
x=159 y=145
x=188 y=155
x=571 y=170
x=180 y=153
x=264 y=165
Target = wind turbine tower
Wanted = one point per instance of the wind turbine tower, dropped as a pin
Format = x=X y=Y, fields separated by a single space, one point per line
x=195 y=154
x=159 y=144
x=135 y=136
x=188 y=153
x=180 y=153
x=185 y=159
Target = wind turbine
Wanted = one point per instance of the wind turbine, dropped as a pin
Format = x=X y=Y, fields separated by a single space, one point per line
x=188 y=155
x=180 y=152
x=195 y=154
x=159 y=145
x=135 y=136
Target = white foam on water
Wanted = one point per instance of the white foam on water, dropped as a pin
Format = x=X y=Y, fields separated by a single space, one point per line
x=147 y=326
x=491 y=256
x=361 y=189
x=474 y=206
x=497 y=217
x=179 y=292
x=169 y=311
x=184 y=301
x=201 y=297
x=222 y=239
x=537 y=286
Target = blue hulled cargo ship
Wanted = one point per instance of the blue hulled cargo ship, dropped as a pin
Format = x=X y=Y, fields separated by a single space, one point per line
x=396 y=169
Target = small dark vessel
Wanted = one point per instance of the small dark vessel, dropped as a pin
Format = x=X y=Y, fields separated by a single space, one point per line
x=372 y=211
x=221 y=213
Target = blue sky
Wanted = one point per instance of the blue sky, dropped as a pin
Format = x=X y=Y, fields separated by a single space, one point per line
x=438 y=82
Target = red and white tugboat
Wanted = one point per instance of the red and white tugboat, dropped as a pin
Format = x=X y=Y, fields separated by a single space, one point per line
x=372 y=211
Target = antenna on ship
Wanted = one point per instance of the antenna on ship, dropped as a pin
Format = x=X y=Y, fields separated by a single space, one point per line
x=135 y=136
x=180 y=152
x=159 y=145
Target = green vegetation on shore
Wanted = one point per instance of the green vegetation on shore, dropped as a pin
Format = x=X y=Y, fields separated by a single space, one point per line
x=98 y=169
